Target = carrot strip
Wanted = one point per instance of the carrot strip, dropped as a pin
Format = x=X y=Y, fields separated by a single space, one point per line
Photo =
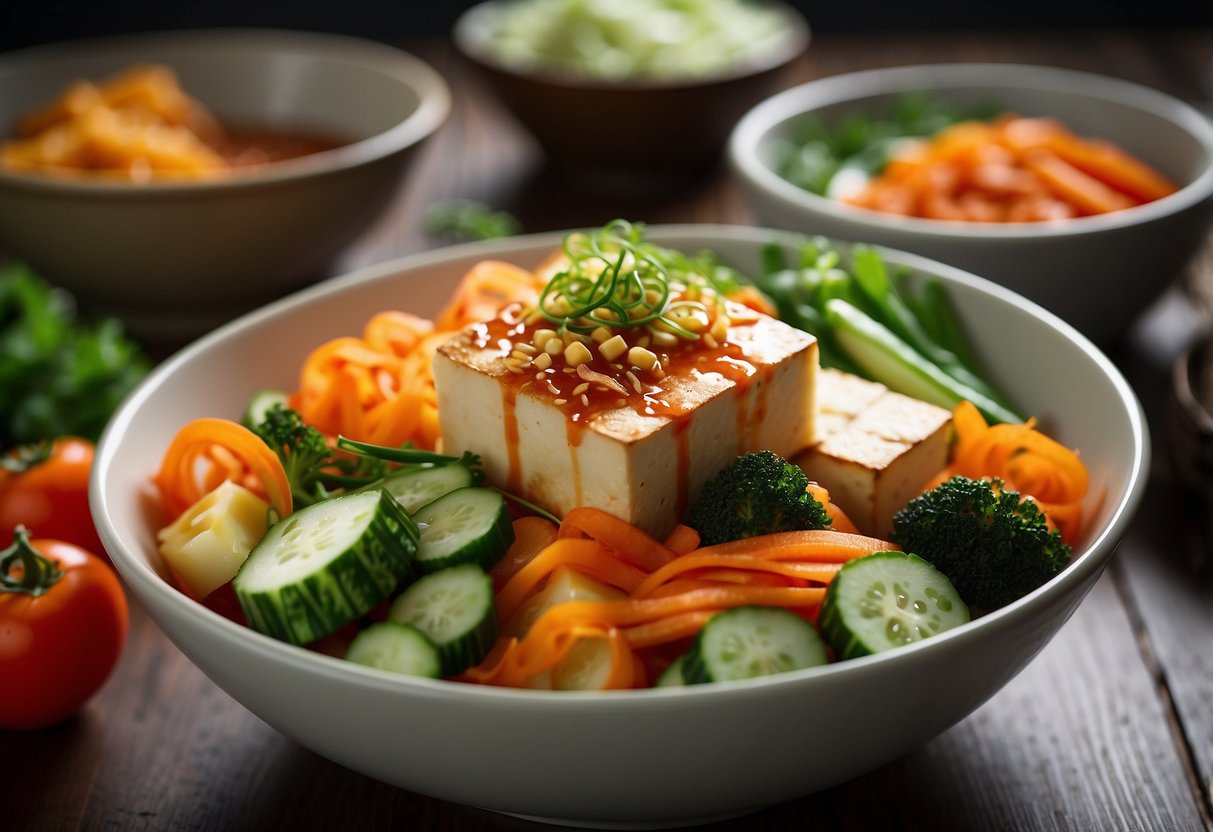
x=630 y=542
x=665 y=630
x=1084 y=191
x=178 y=481
x=585 y=555
x=682 y=540
x=1027 y=461
x=819 y=546
x=686 y=563
x=531 y=536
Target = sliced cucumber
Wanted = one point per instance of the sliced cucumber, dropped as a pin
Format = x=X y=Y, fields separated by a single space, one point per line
x=886 y=600
x=469 y=525
x=260 y=404
x=672 y=676
x=396 y=647
x=455 y=608
x=748 y=642
x=325 y=565
x=413 y=488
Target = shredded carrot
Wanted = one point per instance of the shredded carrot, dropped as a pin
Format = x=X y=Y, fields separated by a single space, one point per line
x=188 y=470
x=587 y=556
x=682 y=540
x=1012 y=169
x=1027 y=461
x=379 y=387
x=630 y=542
x=839 y=521
x=531 y=536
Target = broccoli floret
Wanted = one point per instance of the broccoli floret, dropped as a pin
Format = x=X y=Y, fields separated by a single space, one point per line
x=992 y=545
x=303 y=450
x=760 y=493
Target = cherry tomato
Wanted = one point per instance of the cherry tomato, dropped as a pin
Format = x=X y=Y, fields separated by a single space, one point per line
x=63 y=622
x=50 y=497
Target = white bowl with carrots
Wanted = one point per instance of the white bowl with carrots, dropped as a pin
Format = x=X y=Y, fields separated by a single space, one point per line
x=655 y=757
x=1090 y=203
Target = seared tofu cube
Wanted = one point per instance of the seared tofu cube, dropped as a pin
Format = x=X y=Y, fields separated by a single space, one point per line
x=636 y=443
x=877 y=449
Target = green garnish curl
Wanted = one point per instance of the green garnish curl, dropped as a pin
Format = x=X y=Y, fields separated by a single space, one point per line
x=615 y=279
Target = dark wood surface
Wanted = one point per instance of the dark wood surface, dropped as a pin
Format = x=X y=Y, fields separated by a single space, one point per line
x=1111 y=727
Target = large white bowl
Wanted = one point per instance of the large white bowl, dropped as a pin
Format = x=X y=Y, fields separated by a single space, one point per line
x=175 y=258
x=1096 y=272
x=642 y=757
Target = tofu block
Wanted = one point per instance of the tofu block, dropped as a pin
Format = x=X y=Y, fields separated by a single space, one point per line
x=876 y=448
x=640 y=454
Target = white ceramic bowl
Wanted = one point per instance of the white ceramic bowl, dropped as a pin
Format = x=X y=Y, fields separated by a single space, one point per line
x=647 y=757
x=1096 y=272
x=175 y=258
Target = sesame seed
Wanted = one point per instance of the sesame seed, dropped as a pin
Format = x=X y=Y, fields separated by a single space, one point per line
x=560 y=401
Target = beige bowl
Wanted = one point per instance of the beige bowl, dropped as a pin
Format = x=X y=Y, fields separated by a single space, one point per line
x=1096 y=272
x=174 y=259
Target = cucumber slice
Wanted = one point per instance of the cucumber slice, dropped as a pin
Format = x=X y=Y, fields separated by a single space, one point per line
x=469 y=525
x=886 y=600
x=396 y=647
x=325 y=565
x=748 y=642
x=455 y=608
x=419 y=486
x=260 y=404
x=672 y=676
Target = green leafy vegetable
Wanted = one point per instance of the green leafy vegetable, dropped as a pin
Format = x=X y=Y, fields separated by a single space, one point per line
x=465 y=219
x=59 y=375
x=760 y=493
x=869 y=323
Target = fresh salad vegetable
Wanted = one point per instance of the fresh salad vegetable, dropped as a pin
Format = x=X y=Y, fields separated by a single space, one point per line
x=59 y=375
x=823 y=157
x=886 y=600
x=932 y=158
x=466 y=219
x=1010 y=169
x=993 y=544
x=758 y=494
x=63 y=622
x=634 y=39
x=44 y=487
x=868 y=323
x=320 y=533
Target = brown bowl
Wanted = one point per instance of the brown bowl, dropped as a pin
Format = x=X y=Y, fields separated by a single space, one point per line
x=628 y=133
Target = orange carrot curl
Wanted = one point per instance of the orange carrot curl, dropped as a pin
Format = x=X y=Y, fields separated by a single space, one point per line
x=206 y=452
x=1027 y=461
x=670 y=592
x=379 y=387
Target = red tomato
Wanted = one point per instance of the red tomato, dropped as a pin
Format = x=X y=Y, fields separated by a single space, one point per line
x=51 y=497
x=59 y=647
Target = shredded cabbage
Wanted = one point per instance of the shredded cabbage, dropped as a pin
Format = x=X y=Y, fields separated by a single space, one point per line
x=635 y=39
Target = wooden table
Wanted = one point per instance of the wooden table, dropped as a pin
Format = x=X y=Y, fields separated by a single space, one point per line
x=1111 y=727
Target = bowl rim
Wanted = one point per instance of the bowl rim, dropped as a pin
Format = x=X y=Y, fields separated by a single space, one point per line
x=470 y=35
x=754 y=127
x=146 y=581
x=433 y=105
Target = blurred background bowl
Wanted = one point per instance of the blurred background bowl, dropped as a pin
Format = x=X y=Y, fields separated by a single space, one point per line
x=174 y=258
x=1097 y=272
x=645 y=758
x=629 y=133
